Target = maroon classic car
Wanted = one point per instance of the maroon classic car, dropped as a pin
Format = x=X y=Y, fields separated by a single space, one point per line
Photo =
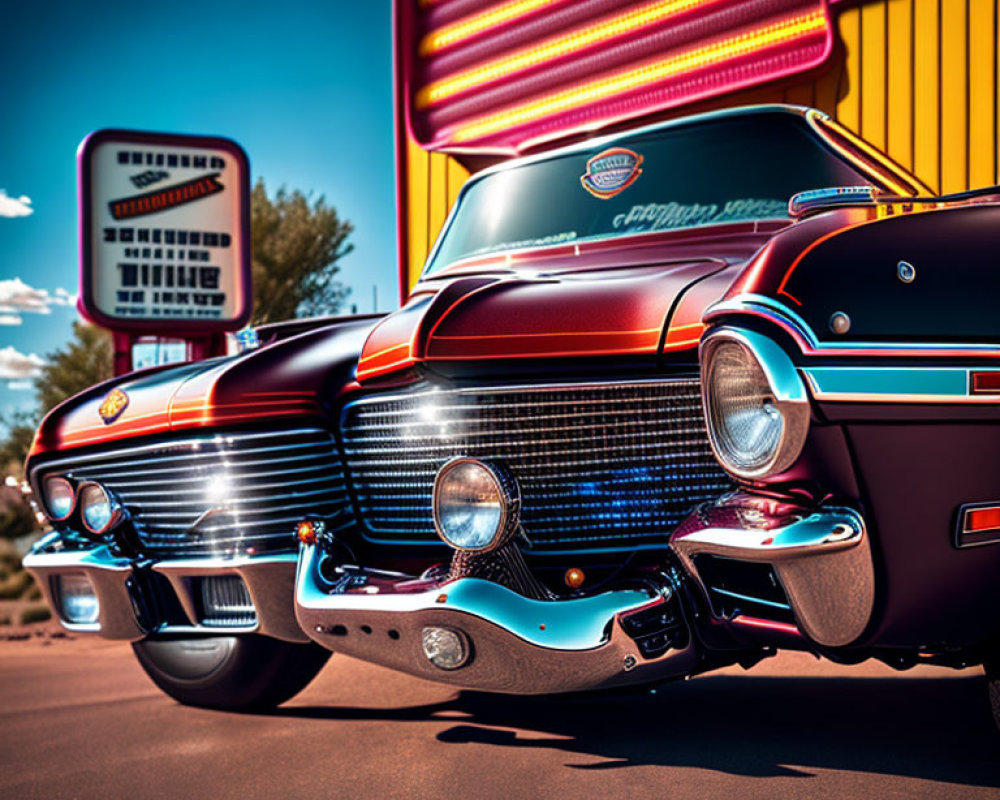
x=661 y=402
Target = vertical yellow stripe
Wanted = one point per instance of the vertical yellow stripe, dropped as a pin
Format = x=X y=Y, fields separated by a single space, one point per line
x=437 y=197
x=954 y=97
x=926 y=111
x=982 y=85
x=416 y=196
x=899 y=62
x=873 y=76
x=457 y=176
x=849 y=98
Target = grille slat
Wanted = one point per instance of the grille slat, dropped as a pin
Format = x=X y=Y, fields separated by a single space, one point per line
x=600 y=466
x=269 y=480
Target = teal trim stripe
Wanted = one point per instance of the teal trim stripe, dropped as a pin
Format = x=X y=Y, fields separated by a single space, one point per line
x=878 y=381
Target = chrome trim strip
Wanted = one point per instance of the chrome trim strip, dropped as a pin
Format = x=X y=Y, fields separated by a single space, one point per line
x=774 y=311
x=208 y=438
x=896 y=384
x=508 y=388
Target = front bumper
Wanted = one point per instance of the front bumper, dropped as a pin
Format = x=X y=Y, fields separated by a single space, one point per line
x=821 y=557
x=118 y=584
x=519 y=645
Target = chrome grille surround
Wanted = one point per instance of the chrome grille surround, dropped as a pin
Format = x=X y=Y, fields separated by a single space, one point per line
x=255 y=486
x=601 y=466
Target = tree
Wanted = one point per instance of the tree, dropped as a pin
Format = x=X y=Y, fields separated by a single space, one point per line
x=86 y=359
x=20 y=427
x=296 y=246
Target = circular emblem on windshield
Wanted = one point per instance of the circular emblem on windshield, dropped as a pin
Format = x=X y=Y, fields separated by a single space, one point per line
x=611 y=171
x=113 y=405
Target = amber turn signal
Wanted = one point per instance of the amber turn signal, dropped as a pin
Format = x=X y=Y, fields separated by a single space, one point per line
x=574 y=578
x=305 y=531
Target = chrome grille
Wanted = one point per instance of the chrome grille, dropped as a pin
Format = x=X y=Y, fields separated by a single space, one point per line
x=600 y=466
x=226 y=602
x=218 y=493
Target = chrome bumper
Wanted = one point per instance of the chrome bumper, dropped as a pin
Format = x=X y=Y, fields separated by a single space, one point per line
x=519 y=645
x=821 y=557
x=270 y=580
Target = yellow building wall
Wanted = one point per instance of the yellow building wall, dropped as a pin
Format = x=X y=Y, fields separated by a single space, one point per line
x=916 y=78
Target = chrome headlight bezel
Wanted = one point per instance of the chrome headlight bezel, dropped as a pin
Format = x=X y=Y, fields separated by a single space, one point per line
x=786 y=395
x=47 y=503
x=508 y=499
x=115 y=511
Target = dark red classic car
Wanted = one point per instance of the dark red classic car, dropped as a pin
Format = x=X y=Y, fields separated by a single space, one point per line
x=661 y=402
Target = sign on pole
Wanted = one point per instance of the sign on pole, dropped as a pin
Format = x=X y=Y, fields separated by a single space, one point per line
x=164 y=233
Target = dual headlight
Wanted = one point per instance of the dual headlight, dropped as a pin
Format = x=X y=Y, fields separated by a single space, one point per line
x=756 y=406
x=99 y=510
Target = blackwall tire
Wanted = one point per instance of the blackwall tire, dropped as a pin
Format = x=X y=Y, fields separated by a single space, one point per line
x=241 y=673
x=992 y=667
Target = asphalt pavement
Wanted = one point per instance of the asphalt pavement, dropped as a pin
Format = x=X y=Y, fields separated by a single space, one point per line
x=79 y=719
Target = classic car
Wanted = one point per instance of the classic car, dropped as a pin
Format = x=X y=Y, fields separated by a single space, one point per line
x=662 y=401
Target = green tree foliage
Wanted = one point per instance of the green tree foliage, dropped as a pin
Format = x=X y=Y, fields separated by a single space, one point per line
x=20 y=427
x=17 y=520
x=86 y=359
x=296 y=246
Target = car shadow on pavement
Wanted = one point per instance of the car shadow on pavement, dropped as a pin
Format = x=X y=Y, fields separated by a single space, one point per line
x=934 y=729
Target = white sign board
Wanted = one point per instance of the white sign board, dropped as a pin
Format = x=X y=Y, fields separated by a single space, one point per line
x=164 y=233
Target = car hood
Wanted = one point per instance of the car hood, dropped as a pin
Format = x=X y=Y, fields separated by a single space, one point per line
x=295 y=377
x=643 y=302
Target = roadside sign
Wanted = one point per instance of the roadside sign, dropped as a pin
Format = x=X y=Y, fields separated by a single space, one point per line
x=164 y=233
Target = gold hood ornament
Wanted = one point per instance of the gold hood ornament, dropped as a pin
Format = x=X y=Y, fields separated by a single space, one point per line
x=113 y=405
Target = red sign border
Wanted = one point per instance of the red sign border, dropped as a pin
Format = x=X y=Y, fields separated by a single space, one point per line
x=184 y=327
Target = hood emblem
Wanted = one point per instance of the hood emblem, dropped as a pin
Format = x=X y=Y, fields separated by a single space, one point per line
x=113 y=405
x=611 y=171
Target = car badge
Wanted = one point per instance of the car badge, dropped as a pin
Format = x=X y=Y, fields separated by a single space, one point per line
x=612 y=171
x=113 y=405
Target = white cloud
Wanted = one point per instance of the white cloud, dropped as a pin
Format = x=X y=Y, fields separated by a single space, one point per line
x=17 y=297
x=60 y=297
x=15 y=206
x=10 y=319
x=20 y=386
x=15 y=365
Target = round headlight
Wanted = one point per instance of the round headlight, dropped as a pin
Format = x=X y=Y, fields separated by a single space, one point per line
x=475 y=505
x=755 y=404
x=59 y=497
x=99 y=511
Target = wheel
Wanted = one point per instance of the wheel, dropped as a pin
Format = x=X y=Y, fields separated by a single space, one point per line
x=993 y=678
x=233 y=672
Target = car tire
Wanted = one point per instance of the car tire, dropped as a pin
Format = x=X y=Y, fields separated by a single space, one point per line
x=240 y=673
x=993 y=682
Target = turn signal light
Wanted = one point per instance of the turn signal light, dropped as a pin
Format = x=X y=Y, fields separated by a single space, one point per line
x=307 y=531
x=986 y=382
x=982 y=519
x=574 y=578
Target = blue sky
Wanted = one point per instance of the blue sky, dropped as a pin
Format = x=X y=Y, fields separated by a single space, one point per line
x=305 y=87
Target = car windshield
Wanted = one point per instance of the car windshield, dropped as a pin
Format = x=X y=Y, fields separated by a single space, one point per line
x=729 y=169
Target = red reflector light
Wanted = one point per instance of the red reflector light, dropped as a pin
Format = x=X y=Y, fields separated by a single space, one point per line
x=982 y=519
x=986 y=382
